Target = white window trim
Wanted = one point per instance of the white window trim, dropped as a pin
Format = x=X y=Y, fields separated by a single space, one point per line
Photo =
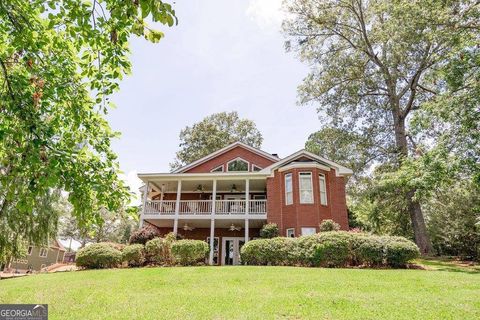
x=213 y=170
x=309 y=228
x=292 y=230
x=40 y=253
x=286 y=192
x=255 y=166
x=238 y=158
x=300 y=185
x=322 y=178
x=30 y=248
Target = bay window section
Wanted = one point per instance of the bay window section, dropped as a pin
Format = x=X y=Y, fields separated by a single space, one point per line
x=306 y=187
x=288 y=189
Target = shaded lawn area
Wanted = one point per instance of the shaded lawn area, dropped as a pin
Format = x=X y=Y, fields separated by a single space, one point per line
x=250 y=293
x=449 y=264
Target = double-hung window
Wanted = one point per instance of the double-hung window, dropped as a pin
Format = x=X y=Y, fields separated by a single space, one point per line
x=288 y=189
x=306 y=187
x=323 y=189
x=43 y=252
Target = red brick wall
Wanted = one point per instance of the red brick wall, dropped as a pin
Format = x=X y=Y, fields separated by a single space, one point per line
x=299 y=215
x=222 y=159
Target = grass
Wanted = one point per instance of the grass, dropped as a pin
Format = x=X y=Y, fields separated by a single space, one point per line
x=449 y=264
x=250 y=293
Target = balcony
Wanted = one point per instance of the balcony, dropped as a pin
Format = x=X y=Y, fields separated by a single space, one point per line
x=223 y=208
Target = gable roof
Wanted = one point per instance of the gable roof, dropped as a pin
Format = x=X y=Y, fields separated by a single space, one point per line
x=339 y=169
x=224 y=150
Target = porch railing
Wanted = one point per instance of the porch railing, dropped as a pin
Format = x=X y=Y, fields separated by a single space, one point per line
x=204 y=207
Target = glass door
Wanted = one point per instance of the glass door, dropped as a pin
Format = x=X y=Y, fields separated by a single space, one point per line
x=231 y=250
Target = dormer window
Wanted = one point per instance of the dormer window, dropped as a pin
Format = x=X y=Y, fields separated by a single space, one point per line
x=237 y=164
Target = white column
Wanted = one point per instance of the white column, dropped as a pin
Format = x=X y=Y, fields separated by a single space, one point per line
x=212 y=223
x=247 y=207
x=212 y=241
x=177 y=207
x=145 y=198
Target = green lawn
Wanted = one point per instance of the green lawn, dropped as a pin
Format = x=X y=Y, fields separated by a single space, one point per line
x=250 y=293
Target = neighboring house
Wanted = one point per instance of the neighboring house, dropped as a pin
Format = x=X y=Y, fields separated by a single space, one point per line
x=38 y=258
x=251 y=188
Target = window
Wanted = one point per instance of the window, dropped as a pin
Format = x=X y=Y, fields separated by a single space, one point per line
x=323 y=189
x=29 y=251
x=288 y=189
x=291 y=233
x=238 y=165
x=308 y=231
x=259 y=197
x=43 y=252
x=255 y=168
x=217 y=169
x=306 y=187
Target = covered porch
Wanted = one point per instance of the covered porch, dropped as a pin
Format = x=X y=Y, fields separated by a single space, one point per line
x=216 y=208
x=229 y=235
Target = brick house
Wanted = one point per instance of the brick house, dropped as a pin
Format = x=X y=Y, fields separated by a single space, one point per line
x=251 y=188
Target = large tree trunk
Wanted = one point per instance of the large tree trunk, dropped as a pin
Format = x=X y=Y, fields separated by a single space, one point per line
x=414 y=209
x=418 y=223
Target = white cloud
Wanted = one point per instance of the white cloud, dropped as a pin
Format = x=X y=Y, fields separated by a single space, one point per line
x=134 y=184
x=267 y=14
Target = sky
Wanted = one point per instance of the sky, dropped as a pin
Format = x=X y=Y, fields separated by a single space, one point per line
x=222 y=56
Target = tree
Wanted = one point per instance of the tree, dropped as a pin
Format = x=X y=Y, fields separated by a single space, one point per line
x=375 y=64
x=347 y=148
x=212 y=133
x=59 y=63
x=113 y=227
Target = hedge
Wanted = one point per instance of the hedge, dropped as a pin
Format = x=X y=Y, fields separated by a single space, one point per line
x=134 y=255
x=331 y=249
x=278 y=251
x=189 y=252
x=158 y=251
x=97 y=256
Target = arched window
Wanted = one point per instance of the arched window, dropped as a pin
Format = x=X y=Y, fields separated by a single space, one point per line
x=237 y=164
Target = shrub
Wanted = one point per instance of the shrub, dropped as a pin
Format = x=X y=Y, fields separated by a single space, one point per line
x=134 y=255
x=269 y=230
x=370 y=251
x=97 y=256
x=252 y=252
x=114 y=245
x=329 y=225
x=356 y=240
x=189 y=252
x=306 y=247
x=278 y=251
x=158 y=250
x=144 y=234
x=332 y=249
x=399 y=251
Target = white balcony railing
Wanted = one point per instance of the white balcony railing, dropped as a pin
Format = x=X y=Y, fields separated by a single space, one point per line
x=204 y=207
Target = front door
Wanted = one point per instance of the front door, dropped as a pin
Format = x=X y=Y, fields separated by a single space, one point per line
x=231 y=250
